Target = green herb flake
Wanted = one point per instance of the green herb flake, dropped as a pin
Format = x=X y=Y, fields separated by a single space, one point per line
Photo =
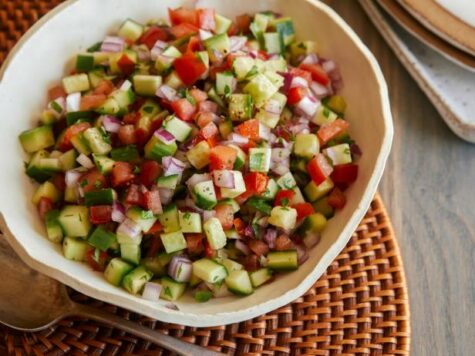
x=84 y=183
x=186 y=216
x=252 y=72
x=168 y=292
x=148 y=109
x=284 y=202
x=137 y=170
x=98 y=184
x=56 y=107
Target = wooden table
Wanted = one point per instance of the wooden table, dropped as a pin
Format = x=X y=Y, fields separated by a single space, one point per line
x=429 y=190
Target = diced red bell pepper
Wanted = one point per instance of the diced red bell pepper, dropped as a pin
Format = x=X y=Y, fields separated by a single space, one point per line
x=44 y=206
x=249 y=129
x=256 y=182
x=184 y=29
x=319 y=169
x=127 y=135
x=209 y=252
x=189 y=68
x=328 y=131
x=100 y=214
x=154 y=34
x=183 y=15
x=131 y=118
x=152 y=201
x=336 y=199
x=225 y=214
x=92 y=180
x=303 y=210
x=206 y=19
x=344 y=173
x=184 y=109
x=149 y=172
x=283 y=197
x=194 y=45
x=126 y=65
x=222 y=157
x=243 y=22
x=122 y=174
x=239 y=225
x=156 y=227
x=318 y=74
x=296 y=94
x=142 y=135
x=194 y=244
x=98 y=264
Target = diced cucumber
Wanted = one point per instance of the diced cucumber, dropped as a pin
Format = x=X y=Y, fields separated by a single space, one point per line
x=156 y=149
x=173 y=80
x=144 y=218
x=238 y=282
x=337 y=103
x=276 y=79
x=321 y=206
x=215 y=97
x=124 y=98
x=202 y=296
x=53 y=228
x=48 y=117
x=80 y=144
x=109 y=107
x=306 y=145
x=147 y=85
x=100 y=197
x=116 y=57
x=189 y=222
x=209 y=270
x=232 y=266
x=285 y=27
x=116 y=270
x=240 y=159
x=225 y=83
x=98 y=141
x=302 y=48
x=194 y=281
x=259 y=159
x=79 y=116
x=154 y=265
x=214 y=233
x=84 y=62
x=272 y=43
x=198 y=156
x=282 y=260
x=71 y=194
x=37 y=171
x=134 y=281
x=168 y=182
x=239 y=186
x=37 y=139
x=260 y=277
x=242 y=67
x=178 y=128
x=287 y=181
x=225 y=128
x=338 y=154
x=67 y=160
x=75 y=249
x=315 y=222
x=130 y=253
x=102 y=238
x=103 y=163
x=283 y=217
x=169 y=218
x=46 y=190
x=271 y=190
x=298 y=197
x=165 y=61
x=324 y=116
x=76 y=83
x=314 y=192
x=127 y=153
x=232 y=234
x=204 y=194
x=261 y=89
x=173 y=241
x=149 y=108
x=222 y=24
x=240 y=107
x=172 y=290
x=232 y=203
x=74 y=220
x=131 y=30
x=217 y=44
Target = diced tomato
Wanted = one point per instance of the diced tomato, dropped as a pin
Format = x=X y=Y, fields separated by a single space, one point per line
x=233 y=30
x=296 y=94
x=283 y=197
x=56 y=92
x=156 y=227
x=100 y=214
x=225 y=215
x=184 y=109
x=251 y=263
x=328 y=131
x=198 y=95
x=72 y=131
x=262 y=55
x=209 y=131
x=204 y=118
x=152 y=201
x=104 y=87
x=319 y=169
x=344 y=173
x=209 y=252
x=243 y=22
x=155 y=245
x=126 y=135
x=217 y=68
x=213 y=141
x=183 y=15
x=336 y=199
x=142 y=136
x=189 y=68
x=194 y=45
x=283 y=242
x=152 y=35
x=222 y=157
x=184 y=29
x=318 y=74
x=134 y=196
x=297 y=72
x=126 y=65
x=239 y=225
x=260 y=248
x=208 y=106
x=97 y=263
x=92 y=101
x=92 y=180
x=249 y=129
x=58 y=181
x=303 y=210
x=131 y=118
x=194 y=244
x=122 y=174
x=256 y=182
x=44 y=206
x=206 y=19
x=149 y=172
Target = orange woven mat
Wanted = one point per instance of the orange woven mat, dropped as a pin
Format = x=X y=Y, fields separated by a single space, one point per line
x=359 y=306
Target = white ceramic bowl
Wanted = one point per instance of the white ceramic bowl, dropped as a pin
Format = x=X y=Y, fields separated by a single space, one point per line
x=44 y=55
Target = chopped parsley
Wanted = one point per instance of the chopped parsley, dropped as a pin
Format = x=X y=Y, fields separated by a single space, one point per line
x=97 y=184
x=167 y=291
x=84 y=183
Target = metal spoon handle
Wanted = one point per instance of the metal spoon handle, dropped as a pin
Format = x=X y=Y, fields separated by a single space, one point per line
x=169 y=342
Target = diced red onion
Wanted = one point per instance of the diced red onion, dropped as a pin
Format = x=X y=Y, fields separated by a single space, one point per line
x=355 y=149
x=85 y=161
x=302 y=253
x=299 y=128
x=238 y=139
x=111 y=123
x=308 y=105
x=72 y=177
x=171 y=306
x=113 y=44
x=180 y=269
x=237 y=42
x=329 y=66
x=311 y=58
x=172 y=166
x=197 y=178
x=166 y=92
x=157 y=49
x=224 y=179
x=143 y=53
x=208 y=214
x=264 y=131
x=320 y=91
x=130 y=229
x=298 y=82
x=270 y=237
x=249 y=231
x=204 y=35
x=311 y=239
x=165 y=59
x=241 y=246
x=166 y=195
x=73 y=102
x=164 y=136
x=151 y=291
x=253 y=54
x=118 y=212
x=217 y=55
x=273 y=107
x=126 y=85
x=288 y=79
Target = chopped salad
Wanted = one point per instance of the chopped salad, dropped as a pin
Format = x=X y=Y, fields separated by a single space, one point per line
x=205 y=154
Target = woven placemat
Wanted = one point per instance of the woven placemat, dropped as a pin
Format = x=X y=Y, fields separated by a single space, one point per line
x=359 y=306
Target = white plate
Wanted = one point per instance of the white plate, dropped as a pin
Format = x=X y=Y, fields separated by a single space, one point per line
x=40 y=60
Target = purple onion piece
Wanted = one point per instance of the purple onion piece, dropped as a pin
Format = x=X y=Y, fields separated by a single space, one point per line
x=355 y=150
x=118 y=212
x=129 y=229
x=310 y=59
x=113 y=44
x=152 y=291
x=164 y=136
x=270 y=237
x=208 y=214
x=299 y=82
x=320 y=91
x=166 y=195
x=172 y=166
x=237 y=139
x=302 y=254
x=111 y=123
x=237 y=43
x=197 y=178
x=241 y=246
x=288 y=78
x=307 y=106
x=166 y=92
x=72 y=177
x=224 y=179
x=180 y=269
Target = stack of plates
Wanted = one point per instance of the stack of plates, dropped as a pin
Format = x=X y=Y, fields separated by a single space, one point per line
x=435 y=41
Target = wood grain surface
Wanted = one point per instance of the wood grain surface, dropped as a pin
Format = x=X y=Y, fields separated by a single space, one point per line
x=429 y=190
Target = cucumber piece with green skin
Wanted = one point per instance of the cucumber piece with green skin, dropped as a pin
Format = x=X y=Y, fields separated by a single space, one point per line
x=171 y=290
x=71 y=194
x=338 y=154
x=98 y=141
x=283 y=217
x=260 y=277
x=205 y=196
x=173 y=241
x=131 y=30
x=173 y=80
x=35 y=170
x=178 y=128
x=238 y=282
x=50 y=164
x=209 y=270
x=303 y=48
x=103 y=163
x=67 y=160
x=214 y=233
x=48 y=117
x=231 y=265
x=76 y=83
x=194 y=281
x=102 y=238
x=130 y=253
x=225 y=83
x=225 y=128
x=53 y=228
x=297 y=197
x=306 y=145
x=273 y=43
x=165 y=61
x=109 y=107
x=80 y=144
x=116 y=270
x=202 y=296
x=285 y=27
x=155 y=149
x=134 y=281
x=239 y=186
x=240 y=107
x=222 y=24
x=144 y=218
x=321 y=206
x=46 y=190
x=37 y=139
x=189 y=222
x=231 y=202
x=271 y=190
x=127 y=153
x=100 y=197
x=168 y=182
x=169 y=218
x=149 y=108
x=75 y=249
x=154 y=265
x=124 y=97
x=74 y=220
x=261 y=89
x=287 y=181
x=240 y=158
x=259 y=159
x=76 y=116
x=216 y=98
x=84 y=62
x=147 y=85
x=218 y=43
x=198 y=156
x=242 y=66
x=315 y=222
x=314 y=192
x=282 y=260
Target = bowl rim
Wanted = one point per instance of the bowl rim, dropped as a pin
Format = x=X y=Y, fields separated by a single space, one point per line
x=224 y=318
